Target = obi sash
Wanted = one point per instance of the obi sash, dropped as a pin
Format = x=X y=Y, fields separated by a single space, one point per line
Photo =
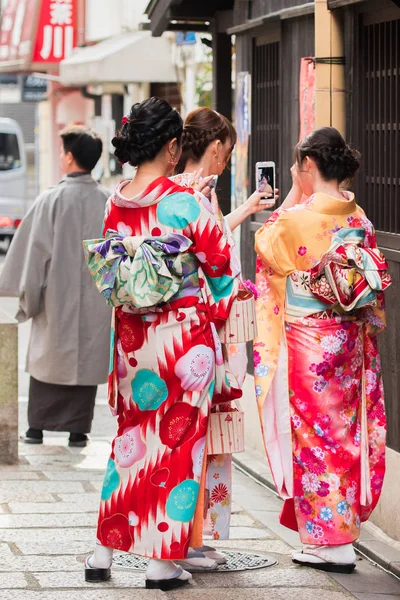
x=346 y=278
x=138 y=271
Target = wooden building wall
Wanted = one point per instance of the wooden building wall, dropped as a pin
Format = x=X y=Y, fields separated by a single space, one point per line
x=372 y=41
x=255 y=9
x=260 y=8
x=296 y=40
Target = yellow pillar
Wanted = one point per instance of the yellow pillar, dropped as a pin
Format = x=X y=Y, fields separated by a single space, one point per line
x=330 y=106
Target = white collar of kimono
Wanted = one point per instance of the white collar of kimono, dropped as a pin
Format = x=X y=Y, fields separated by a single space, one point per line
x=147 y=197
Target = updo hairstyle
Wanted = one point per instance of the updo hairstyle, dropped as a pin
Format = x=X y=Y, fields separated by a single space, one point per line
x=144 y=133
x=203 y=126
x=335 y=159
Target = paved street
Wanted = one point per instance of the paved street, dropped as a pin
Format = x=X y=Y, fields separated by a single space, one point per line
x=48 y=507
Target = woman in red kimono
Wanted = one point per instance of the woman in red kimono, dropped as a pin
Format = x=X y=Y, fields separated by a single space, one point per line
x=166 y=360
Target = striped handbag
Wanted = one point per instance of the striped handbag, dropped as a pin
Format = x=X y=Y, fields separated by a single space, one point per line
x=226 y=431
x=241 y=325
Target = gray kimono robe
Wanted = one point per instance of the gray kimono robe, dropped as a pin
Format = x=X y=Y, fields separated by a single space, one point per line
x=45 y=267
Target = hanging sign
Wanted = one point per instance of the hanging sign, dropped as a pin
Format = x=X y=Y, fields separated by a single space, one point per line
x=16 y=33
x=34 y=89
x=56 y=35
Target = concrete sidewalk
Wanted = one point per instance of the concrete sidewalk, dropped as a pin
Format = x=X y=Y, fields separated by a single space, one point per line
x=48 y=508
x=48 y=512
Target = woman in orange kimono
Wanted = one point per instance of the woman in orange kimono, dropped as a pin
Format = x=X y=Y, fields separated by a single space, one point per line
x=321 y=278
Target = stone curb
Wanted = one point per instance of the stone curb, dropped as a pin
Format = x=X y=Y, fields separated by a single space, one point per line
x=379 y=552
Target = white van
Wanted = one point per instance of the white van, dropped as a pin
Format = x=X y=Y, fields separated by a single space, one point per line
x=13 y=178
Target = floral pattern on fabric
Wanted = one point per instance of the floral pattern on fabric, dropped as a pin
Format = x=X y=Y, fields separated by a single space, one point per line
x=217 y=521
x=219 y=495
x=328 y=358
x=138 y=271
x=324 y=362
x=165 y=370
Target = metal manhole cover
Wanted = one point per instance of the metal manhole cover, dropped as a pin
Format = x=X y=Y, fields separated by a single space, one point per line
x=236 y=561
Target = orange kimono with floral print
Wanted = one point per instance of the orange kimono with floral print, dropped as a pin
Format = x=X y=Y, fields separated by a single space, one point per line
x=317 y=366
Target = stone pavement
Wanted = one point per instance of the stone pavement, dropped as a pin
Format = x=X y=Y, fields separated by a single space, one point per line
x=48 y=506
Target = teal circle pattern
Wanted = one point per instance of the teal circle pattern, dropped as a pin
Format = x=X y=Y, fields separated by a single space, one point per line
x=220 y=287
x=178 y=210
x=112 y=348
x=181 y=503
x=149 y=391
x=111 y=480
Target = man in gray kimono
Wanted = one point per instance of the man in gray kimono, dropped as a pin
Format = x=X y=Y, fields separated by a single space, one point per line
x=45 y=268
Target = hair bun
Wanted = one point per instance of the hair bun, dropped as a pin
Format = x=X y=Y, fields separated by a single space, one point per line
x=120 y=143
x=335 y=159
x=351 y=161
x=150 y=125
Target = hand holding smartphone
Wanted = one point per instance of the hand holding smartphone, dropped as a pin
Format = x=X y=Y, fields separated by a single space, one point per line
x=266 y=180
x=213 y=183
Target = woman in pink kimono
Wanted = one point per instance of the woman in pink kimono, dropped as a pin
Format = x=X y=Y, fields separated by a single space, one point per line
x=167 y=267
x=207 y=144
x=321 y=279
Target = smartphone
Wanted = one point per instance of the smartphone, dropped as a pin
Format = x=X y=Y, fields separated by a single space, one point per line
x=213 y=183
x=266 y=180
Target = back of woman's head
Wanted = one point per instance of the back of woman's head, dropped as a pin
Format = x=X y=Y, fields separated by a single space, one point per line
x=202 y=127
x=335 y=159
x=146 y=130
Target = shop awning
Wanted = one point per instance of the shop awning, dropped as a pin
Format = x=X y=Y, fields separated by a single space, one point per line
x=127 y=58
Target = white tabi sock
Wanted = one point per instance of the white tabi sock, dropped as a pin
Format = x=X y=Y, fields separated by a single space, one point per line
x=159 y=570
x=341 y=555
x=101 y=558
x=213 y=554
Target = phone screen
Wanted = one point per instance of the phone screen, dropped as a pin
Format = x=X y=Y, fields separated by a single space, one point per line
x=265 y=180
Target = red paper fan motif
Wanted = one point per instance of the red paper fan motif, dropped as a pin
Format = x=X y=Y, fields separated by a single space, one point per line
x=131 y=333
x=115 y=533
x=178 y=425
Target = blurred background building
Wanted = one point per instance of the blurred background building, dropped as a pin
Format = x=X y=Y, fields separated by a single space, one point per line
x=87 y=62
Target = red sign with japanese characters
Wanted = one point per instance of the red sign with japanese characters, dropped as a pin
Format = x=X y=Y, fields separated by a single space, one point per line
x=16 y=31
x=56 y=35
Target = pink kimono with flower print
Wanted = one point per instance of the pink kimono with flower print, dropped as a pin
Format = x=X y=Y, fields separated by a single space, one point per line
x=318 y=374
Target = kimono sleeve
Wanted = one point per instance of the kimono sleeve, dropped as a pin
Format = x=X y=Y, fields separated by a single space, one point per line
x=374 y=317
x=273 y=243
x=107 y=211
x=213 y=245
x=37 y=256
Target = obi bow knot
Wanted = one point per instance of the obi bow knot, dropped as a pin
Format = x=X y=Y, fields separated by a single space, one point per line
x=349 y=275
x=135 y=270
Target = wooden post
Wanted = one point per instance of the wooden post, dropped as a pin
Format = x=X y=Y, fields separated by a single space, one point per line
x=222 y=102
x=330 y=109
x=8 y=390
